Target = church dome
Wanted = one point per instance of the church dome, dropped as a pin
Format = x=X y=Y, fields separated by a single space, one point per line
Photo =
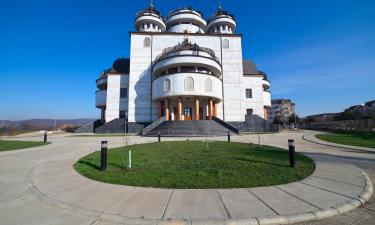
x=149 y=20
x=119 y=66
x=186 y=20
x=221 y=22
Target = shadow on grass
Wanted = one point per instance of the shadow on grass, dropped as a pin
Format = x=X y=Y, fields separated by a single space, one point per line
x=92 y=165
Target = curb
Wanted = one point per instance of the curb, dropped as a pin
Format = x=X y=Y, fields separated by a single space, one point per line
x=335 y=146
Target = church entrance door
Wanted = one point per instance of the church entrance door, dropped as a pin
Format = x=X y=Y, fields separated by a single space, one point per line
x=188 y=113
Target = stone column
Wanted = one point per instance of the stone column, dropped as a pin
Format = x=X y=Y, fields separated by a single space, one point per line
x=161 y=109
x=179 y=105
x=214 y=111
x=196 y=108
x=166 y=109
x=102 y=115
x=210 y=109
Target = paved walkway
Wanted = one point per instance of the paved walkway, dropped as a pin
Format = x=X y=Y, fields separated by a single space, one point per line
x=311 y=137
x=39 y=186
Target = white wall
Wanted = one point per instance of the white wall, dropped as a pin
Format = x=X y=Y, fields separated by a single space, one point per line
x=114 y=103
x=178 y=86
x=139 y=80
x=233 y=80
x=267 y=98
x=234 y=87
x=256 y=102
x=190 y=28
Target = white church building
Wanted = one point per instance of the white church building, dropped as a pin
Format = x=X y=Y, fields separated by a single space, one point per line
x=183 y=68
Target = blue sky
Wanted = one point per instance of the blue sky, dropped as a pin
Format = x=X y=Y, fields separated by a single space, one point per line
x=319 y=53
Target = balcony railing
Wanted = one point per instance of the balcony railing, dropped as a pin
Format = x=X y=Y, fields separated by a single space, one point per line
x=185 y=10
x=183 y=47
x=100 y=98
x=148 y=11
x=221 y=14
x=101 y=83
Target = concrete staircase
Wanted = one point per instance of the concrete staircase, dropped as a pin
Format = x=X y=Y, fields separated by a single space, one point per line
x=88 y=128
x=114 y=126
x=118 y=126
x=189 y=128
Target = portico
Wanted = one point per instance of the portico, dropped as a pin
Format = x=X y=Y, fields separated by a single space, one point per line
x=188 y=108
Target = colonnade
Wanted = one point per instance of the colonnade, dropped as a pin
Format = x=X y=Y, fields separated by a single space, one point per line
x=196 y=112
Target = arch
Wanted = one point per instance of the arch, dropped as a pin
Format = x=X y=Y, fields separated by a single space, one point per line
x=225 y=43
x=167 y=84
x=208 y=85
x=146 y=42
x=189 y=84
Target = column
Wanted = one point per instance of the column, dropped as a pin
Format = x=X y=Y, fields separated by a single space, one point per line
x=161 y=109
x=179 y=103
x=166 y=109
x=214 y=111
x=102 y=115
x=196 y=109
x=210 y=109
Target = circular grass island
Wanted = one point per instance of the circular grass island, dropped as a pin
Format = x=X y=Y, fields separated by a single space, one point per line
x=196 y=164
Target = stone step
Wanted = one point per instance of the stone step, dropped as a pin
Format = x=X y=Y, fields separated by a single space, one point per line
x=189 y=128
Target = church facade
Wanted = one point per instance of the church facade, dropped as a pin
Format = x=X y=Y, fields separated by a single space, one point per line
x=183 y=68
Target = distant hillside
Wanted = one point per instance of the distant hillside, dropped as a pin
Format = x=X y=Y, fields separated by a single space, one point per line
x=8 y=127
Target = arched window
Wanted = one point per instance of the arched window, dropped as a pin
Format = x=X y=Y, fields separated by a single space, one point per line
x=146 y=42
x=167 y=85
x=189 y=84
x=208 y=85
x=225 y=43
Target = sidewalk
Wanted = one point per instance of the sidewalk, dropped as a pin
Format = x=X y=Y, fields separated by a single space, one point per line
x=334 y=188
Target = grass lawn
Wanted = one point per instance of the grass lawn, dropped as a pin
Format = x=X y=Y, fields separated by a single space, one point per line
x=356 y=139
x=189 y=164
x=13 y=145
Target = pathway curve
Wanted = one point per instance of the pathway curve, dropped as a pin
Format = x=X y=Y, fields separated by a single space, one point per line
x=41 y=187
x=312 y=138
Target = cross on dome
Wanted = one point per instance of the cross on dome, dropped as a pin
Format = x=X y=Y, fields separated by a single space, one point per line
x=219 y=7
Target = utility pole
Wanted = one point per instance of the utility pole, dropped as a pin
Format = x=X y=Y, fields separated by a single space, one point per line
x=54 y=125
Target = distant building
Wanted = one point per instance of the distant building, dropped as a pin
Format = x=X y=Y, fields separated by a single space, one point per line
x=282 y=108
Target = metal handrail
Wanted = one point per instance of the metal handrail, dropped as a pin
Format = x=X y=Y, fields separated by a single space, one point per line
x=153 y=125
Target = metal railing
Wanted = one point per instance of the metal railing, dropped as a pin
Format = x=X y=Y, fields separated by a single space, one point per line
x=153 y=125
x=183 y=47
x=221 y=14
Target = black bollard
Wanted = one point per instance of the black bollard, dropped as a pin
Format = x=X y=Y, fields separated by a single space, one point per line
x=45 y=136
x=292 y=158
x=103 y=159
x=159 y=137
x=228 y=136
